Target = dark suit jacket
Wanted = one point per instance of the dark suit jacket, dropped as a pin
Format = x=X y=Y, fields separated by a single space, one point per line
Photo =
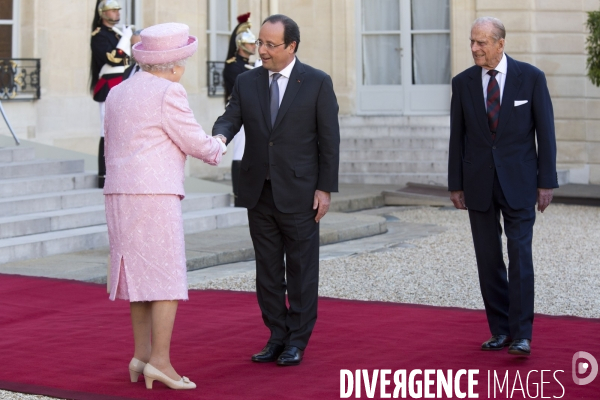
x=302 y=148
x=473 y=156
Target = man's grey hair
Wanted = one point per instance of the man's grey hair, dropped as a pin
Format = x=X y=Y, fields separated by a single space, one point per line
x=163 y=67
x=498 y=31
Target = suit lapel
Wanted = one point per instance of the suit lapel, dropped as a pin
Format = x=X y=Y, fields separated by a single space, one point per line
x=262 y=87
x=293 y=86
x=511 y=89
x=476 y=89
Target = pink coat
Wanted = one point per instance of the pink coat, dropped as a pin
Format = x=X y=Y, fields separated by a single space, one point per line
x=149 y=129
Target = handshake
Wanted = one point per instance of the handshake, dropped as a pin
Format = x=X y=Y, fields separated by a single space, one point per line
x=222 y=141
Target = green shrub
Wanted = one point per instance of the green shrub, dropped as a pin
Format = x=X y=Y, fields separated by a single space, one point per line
x=593 y=47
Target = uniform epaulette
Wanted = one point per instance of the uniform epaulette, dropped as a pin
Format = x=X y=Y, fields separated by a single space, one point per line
x=232 y=59
x=96 y=31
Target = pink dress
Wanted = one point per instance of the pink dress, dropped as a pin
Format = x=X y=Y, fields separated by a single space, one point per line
x=149 y=130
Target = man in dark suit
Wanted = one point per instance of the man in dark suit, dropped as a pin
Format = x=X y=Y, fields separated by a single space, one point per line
x=499 y=108
x=134 y=67
x=290 y=166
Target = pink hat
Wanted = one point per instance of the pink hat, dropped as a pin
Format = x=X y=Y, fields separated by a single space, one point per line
x=165 y=43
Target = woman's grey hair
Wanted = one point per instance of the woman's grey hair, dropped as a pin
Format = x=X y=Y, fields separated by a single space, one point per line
x=163 y=67
x=498 y=31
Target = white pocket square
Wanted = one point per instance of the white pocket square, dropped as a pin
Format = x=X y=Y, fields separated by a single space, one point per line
x=520 y=102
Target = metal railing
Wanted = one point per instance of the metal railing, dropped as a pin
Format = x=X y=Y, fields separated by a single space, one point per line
x=214 y=78
x=19 y=79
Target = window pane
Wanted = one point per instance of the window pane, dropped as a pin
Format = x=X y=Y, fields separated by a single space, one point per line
x=6 y=9
x=222 y=47
x=431 y=59
x=381 y=15
x=5 y=41
x=381 y=60
x=223 y=15
x=430 y=14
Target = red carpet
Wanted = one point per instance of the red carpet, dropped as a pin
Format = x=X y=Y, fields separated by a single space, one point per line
x=65 y=339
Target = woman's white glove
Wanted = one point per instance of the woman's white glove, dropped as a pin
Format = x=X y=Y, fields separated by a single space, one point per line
x=223 y=146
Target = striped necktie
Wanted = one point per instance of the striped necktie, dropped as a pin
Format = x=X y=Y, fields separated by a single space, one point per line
x=493 y=102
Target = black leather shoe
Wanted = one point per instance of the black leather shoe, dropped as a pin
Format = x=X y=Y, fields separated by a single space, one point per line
x=291 y=356
x=268 y=354
x=520 y=347
x=496 y=342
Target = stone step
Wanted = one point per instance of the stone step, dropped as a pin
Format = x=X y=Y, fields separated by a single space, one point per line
x=371 y=143
x=30 y=224
x=37 y=167
x=203 y=249
x=441 y=132
x=79 y=239
x=16 y=154
x=376 y=167
x=12 y=206
x=45 y=184
x=51 y=201
x=422 y=121
x=394 y=155
x=397 y=179
x=79 y=209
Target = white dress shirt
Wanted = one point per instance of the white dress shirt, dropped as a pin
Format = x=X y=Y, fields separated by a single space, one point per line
x=283 y=79
x=500 y=77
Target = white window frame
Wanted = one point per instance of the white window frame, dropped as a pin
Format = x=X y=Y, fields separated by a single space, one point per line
x=129 y=17
x=212 y=31
x=16 y=43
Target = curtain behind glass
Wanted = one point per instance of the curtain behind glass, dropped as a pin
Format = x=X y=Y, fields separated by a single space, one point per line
x=431 y=52
x=381 y=15
x=381 y=60
x=381 y=53
x=222 y=46
x=430 y=14
x=431 y=59
x=223 y=16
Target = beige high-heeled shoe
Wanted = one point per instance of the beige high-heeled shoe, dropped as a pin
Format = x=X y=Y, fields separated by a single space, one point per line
x=136 y=367
x=152 y=374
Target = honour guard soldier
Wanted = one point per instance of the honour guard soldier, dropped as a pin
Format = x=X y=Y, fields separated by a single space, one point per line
x=111 y=50
x=241 y=47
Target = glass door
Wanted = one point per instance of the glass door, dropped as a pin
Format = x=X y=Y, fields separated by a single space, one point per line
x=404 y=57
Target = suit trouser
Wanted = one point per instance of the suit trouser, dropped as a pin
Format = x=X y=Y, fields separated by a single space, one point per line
x=508 y=299
x=296 y=234
x=101 y=163
x=236 y=166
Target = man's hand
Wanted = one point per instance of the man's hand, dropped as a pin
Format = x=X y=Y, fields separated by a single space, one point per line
x=544 y=198
x=458 y=199
x=321 y=201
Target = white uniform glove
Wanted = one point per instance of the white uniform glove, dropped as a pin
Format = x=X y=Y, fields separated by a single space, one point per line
x=125 y=41
x=127 y=32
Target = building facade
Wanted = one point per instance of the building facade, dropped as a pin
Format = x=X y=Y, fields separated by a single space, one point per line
x=386 y=58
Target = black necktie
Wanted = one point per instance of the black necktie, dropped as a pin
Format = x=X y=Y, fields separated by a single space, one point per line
x=493 y=102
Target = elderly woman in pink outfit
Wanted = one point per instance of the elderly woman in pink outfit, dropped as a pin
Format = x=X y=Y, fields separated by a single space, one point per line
x=150 y=129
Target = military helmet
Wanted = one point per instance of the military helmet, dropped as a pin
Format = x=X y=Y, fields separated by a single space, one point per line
x=106 y=5
x=244 y=36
